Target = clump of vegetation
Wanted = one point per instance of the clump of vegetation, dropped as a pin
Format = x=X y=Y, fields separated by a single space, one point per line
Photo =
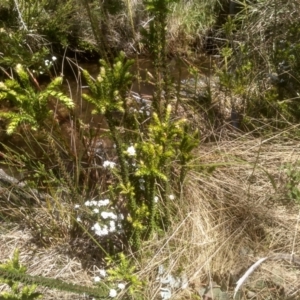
x=24 y=293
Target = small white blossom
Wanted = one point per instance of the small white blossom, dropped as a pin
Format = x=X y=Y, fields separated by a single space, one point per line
x=96 y=227
x=103 y=202
x=121 y=286
x=94 y=202
x=54 y=58
x=112 y=225
x=113 y=293
x=100 y=231
x=102 y=272
x=96 y=210
x=131 y=151
x=109 y=164
x=97 y=279
x=46 y=62
x=106 y=215
x=171 y=197
x=76 y=206
x=113 y=216
x=88 y=203
x=156 y=199
x=78 y=219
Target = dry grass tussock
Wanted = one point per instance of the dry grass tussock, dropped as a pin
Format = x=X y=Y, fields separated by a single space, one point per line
x=233 y=216
x=227 y=219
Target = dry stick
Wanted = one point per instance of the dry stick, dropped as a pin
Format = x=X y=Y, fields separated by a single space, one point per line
x=20 y=16
x=288 y=257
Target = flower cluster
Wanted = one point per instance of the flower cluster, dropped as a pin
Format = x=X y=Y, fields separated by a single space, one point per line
x=98 y=203
x=109 y=221
x=109 y=164
x=131 y=151
x=48 y=63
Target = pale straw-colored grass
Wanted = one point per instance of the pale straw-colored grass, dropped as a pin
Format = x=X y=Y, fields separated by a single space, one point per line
x=231 y=217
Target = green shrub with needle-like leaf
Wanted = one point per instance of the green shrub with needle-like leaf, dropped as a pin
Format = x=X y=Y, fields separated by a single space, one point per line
x=30 y=106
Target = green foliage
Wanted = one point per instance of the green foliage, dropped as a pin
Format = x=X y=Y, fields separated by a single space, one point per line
x=12 y=273
x=32 y=29
x=146 y=153
x=192 y=17
x=124 y=271
x=155 y=38
x=108 y=91
x=17 y=292
x=264 y=60
x=293 y=178
x=30 y=107
x=16 y=50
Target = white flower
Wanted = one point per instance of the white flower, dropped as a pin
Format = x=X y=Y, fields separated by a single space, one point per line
x=131 y=151
x=100 y=231
x=106 y=215
x=103 y=231
x=113 y=216
x=76 y=206
x=112 y=225
x=78 y=219
x=88 y=203
x=97 y=279
x=102 y=272
x=96 y=210
x=54 y=58
x=113 y=293
x=171 y=197
x=121 y=286
x=103 y=202
x=156 y=199
x=96 y=227
x=109 y=164
x=46 y=62
x=94 y=202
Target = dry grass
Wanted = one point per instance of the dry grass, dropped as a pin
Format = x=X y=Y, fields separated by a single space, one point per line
x=226 y=220
x=233 y=216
